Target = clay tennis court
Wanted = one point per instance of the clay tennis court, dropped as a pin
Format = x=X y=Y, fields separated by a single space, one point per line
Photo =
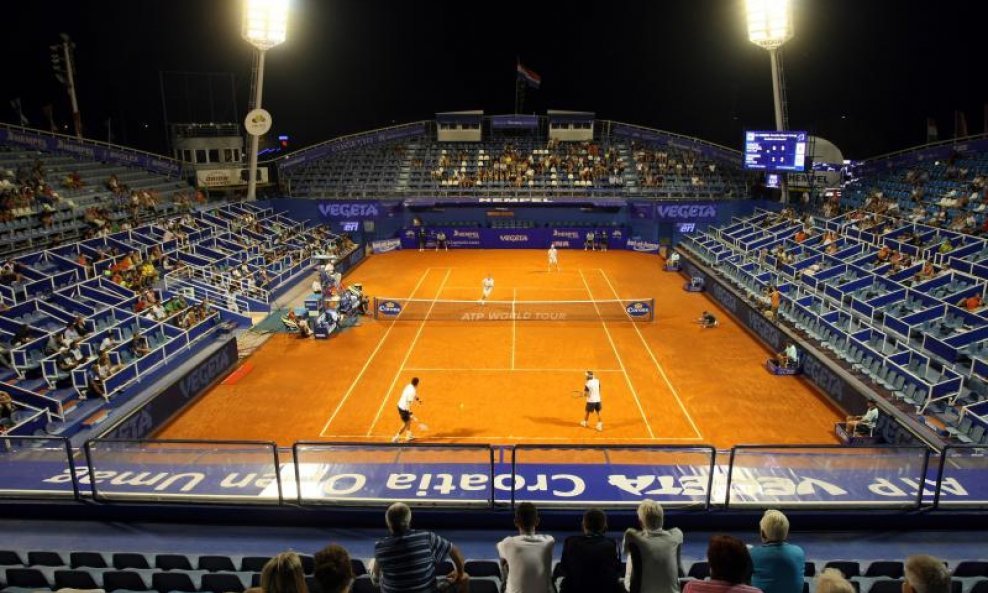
x=509 y=381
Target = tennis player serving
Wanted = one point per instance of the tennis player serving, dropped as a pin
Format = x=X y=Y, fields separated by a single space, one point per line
x=408 y=396
x=591 y=389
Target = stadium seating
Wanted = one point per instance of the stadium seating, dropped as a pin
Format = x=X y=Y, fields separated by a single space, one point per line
x=21 y=219
x=901 y=326
x=234 y=260
x=511 y=165
x=171 y=572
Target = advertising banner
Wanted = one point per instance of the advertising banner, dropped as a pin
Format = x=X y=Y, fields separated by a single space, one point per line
x=90 y=150
x=385 y=245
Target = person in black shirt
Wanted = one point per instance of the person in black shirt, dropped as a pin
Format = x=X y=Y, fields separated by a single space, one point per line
x=590 y=562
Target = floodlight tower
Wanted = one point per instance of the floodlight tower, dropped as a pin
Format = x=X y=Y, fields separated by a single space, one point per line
x=770 y=26
x=265 y=25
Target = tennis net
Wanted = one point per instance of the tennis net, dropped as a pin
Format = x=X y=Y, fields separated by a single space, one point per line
x=637 y=310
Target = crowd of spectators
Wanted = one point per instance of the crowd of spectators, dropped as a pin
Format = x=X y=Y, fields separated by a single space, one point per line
x=656 y=165
x=559 y=163
x=406 y=561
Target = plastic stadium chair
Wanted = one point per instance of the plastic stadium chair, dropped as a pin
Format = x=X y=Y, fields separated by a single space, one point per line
x=483 y=586
x=27 y=578
x=164 y=582
x=45 y=559
x=172 y=562
x=848 y=568
x=123 y=580
x=312 y=584
x=308 y=563
x=699 y=571
x=87 y=560
x=886 y=586
x=253 y=563
x=75 y=579
x=217 y=564
x=221 y=582
x=10 y=558
x=971 y=568
x=809 y=569
x=127 y=560
x=885 y=568
x=483 y=568
x=359 y=569
x=980 y=587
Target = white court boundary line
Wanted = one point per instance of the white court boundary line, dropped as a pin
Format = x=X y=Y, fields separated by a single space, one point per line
x=658 y=366
x=627 y=379
x=408 y=353
x=530 y=439
x=370 y=358
x=515 y=370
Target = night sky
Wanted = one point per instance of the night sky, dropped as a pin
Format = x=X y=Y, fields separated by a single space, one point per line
x=864 y=74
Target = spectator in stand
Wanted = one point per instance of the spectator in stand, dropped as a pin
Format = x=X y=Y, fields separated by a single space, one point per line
x=7 y=410
x=22 y=336
x=730 y=568
x=526 y=558
x=139 y=345
x=971 y=303
x=590 y=561
x=405 y=561
x=653 y=553
x=333 y=570
x=925 y=574
x=282 y=574
x=831 y=580
x=864 y=423
x=778 y=565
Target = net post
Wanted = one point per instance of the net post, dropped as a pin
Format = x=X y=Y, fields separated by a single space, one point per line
x=651 y=309
x=375 y=309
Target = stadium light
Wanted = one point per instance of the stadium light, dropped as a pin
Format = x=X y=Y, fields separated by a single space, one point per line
x=265 y=25
x=770 y=26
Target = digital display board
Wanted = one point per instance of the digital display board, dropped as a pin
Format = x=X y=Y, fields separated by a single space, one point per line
x=775 y=151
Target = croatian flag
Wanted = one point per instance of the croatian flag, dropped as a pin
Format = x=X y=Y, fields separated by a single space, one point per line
x=530 y=77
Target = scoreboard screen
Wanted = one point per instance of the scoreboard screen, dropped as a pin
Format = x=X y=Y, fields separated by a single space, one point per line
x=775 y=151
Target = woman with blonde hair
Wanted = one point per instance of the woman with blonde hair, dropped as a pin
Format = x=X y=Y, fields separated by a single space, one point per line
x=282 y=574
x=832 y=580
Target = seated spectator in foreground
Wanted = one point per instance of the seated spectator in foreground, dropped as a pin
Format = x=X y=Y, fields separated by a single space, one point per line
x=333 y=570
x=778 y=565
x=590 y=561
x=864 y=423
x=730 y=568
x=832 y=580
x=526 y=559
x=405 y=561
x=653 y=553
x=925 y=574
x=282 y=574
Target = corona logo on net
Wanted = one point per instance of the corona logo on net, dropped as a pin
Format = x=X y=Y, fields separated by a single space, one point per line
x=638 y=309
x=389 y=308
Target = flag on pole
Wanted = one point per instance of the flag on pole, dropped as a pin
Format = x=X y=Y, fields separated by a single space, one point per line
x=931 y=130
x=529 y=76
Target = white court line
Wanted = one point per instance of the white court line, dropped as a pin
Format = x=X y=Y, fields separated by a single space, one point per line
x=370 y=358
x=408 y=353
x=528 y=439
x=514 y=370
x=537 y=288
x=514 y=326
x=656 y=361
x=618 y=356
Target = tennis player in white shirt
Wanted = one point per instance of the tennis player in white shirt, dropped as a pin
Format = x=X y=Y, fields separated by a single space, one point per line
x=488 y=285
x=591 y=389
x=409 y=395
x=553 y=257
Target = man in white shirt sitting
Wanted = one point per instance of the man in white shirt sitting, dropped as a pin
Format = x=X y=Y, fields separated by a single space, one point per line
x=526 y=558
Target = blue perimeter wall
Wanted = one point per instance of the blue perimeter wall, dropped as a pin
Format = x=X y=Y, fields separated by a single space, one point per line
x=389 y=217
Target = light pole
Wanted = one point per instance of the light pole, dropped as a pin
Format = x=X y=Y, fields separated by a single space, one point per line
x=265 y=25
x=769 y=26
